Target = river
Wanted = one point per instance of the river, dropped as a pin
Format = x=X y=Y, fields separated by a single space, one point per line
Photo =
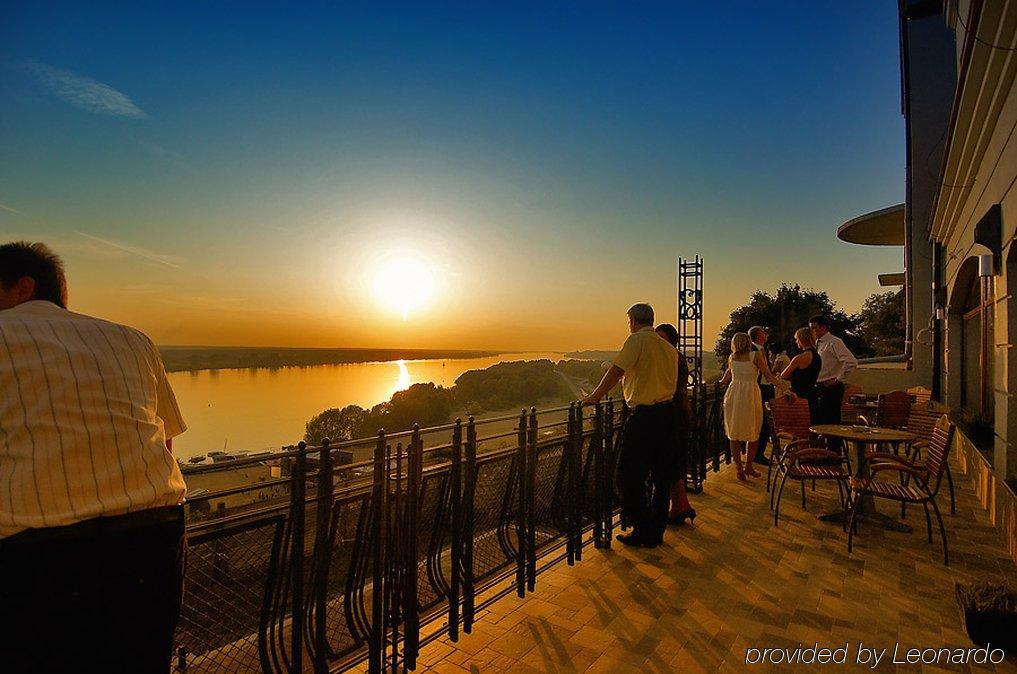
x=266 y=408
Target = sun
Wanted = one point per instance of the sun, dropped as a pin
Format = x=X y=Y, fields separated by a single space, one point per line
x=403 y=282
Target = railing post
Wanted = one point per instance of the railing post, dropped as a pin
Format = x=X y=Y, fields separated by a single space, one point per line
x=531 y=524
x=469 y=511
x=566 y=458
x=597 y=447
x=379 y=499
x=321 y=556
x=579 y=489
x=298 y=497
x=397 y=563
x=607 y=486
x=456 y=503
x=521 y=505
x=415 y=458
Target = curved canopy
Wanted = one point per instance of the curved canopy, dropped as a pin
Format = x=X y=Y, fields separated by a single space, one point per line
x=884 y=227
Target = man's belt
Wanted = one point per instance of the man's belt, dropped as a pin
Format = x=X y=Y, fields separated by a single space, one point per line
x=98 y=526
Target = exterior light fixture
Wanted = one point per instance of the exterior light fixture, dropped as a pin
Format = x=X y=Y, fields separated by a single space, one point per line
x=986 y=266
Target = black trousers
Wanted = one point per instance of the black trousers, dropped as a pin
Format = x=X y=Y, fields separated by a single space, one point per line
x=100 y=595
x=827 y=408
x=647 y=467
x=767 y=392
x=828 y=401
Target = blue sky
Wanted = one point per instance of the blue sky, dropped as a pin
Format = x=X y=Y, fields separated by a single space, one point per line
x=230 y=174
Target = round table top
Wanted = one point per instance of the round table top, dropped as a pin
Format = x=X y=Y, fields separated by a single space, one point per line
x=862 y=433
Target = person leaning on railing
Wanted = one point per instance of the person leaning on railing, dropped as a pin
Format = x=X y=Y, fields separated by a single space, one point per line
x=647 y=366
x=91 y=522
x=681 y=509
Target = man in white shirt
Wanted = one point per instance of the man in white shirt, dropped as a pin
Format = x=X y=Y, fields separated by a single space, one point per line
x=838 y=361
x=91 y=521
x=647 y=366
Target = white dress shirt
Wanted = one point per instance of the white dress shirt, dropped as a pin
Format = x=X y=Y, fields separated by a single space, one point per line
x=837 y=359
x=85 y=414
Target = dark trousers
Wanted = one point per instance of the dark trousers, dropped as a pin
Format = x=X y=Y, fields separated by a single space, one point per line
x=767 y=392
x=827 y=408
x=100 y=595
x=646 y=468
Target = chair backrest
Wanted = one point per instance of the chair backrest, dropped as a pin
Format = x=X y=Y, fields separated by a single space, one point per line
x=791 y=417
x=922 y=419
x=938 y=451
x=893 y=409
x=920 y=394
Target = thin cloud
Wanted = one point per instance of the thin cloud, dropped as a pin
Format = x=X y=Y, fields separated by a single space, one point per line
x=4 y=207
x=167 y=260
x=84 y=92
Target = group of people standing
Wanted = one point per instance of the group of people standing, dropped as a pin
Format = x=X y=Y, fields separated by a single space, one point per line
x=816 y=373
x=653 y=448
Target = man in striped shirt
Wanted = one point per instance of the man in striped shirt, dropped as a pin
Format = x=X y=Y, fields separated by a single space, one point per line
x=91 y=521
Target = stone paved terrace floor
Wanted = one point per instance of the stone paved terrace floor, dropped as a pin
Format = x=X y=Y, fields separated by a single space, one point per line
x=734 y=581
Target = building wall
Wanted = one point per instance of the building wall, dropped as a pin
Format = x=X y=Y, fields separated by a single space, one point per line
x=984 y=146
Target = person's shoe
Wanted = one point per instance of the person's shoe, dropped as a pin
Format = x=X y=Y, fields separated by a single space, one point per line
x=680 y=518
x=752 y=472
x=637 y=540
x=762 y=460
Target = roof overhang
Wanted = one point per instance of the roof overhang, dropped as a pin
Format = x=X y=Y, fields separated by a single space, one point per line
x=892 y=280
x=884 y=227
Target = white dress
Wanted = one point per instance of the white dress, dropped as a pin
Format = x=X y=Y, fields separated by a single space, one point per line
x=743 y=403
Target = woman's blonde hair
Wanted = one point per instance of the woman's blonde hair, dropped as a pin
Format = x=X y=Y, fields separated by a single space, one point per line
x=740 y=344
x=805 y=337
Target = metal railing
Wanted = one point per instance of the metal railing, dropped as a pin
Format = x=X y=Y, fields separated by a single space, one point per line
x=371 y=560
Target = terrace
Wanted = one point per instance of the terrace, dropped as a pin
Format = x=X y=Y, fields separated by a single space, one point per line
x=505 y=562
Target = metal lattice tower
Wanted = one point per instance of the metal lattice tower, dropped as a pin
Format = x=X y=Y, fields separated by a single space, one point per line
x=690 y=317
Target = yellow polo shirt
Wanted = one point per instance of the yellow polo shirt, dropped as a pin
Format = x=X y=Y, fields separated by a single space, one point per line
x=651 y=368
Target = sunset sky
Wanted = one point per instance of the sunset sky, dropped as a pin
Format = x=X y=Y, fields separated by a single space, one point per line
x=470 y=175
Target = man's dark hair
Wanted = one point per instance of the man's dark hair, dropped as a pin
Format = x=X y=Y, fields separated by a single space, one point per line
x=670 y=332
x=820 y=320
x=37 y=262
x=642 y=314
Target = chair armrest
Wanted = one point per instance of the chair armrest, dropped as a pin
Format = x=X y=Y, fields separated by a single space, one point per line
x=814 y=453
x=887 y=456
x=862 y=419
x=899 y=467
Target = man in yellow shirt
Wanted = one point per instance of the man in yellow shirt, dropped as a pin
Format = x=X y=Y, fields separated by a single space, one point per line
x=648 y=369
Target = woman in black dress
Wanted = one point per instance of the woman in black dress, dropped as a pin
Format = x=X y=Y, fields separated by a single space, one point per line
x=681 y=509
x=803 y=370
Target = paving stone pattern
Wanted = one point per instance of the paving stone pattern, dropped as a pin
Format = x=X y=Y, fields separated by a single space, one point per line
x=734 y=581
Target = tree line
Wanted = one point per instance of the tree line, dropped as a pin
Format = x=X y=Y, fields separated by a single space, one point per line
x=876 y=330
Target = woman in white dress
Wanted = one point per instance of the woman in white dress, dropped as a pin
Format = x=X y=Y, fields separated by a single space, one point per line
x=743 y=403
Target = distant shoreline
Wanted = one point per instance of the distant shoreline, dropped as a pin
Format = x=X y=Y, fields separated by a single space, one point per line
x=197 y=358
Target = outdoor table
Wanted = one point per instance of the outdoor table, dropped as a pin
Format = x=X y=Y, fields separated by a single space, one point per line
x=860 y=437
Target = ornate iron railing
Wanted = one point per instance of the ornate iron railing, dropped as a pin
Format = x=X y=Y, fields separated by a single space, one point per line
x=371 y=560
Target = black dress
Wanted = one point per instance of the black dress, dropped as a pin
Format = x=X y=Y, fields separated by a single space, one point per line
x=803 y=380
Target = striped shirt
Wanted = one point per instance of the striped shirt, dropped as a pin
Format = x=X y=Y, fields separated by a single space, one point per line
x=85 y=414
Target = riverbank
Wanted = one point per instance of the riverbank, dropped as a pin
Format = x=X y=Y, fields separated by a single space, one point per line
x=197 y=358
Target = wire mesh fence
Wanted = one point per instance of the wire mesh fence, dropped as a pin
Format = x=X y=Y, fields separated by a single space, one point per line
x=358 y=557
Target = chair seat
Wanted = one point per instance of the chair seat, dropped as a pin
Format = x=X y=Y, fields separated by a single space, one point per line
x=890 y=490
x=816 y=471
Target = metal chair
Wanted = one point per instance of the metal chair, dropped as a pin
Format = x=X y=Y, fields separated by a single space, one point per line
x=789 y=427
x=805 y=463
x=921 y=487
x=922 y=421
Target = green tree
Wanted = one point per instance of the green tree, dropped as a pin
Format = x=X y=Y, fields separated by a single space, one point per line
x=784 y=312
x=335 y=424
x=881 y=322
